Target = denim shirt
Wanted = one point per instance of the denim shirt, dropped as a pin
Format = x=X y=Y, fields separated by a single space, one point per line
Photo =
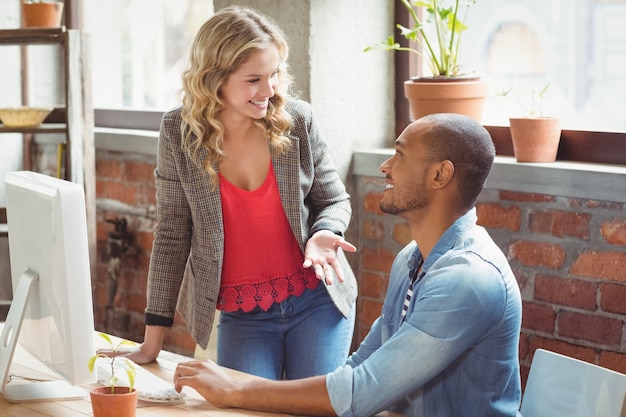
x=456 y=351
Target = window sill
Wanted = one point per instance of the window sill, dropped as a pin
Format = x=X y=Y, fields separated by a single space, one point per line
x=570 y=179
x=126 y=140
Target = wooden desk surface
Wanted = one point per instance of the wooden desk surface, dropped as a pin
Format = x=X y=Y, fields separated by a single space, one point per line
x=23 y=365
x=195 y=405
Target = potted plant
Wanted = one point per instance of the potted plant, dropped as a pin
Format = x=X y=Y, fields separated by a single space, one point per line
x=112 y=400
x=535 y=136
x=41 y=13
x=437 y=29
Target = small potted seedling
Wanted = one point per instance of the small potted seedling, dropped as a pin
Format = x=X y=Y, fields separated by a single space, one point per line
x=113 y=400
x=535 y=136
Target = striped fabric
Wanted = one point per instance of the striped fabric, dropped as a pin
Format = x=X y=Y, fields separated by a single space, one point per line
x=407 y=300
x=414 y=273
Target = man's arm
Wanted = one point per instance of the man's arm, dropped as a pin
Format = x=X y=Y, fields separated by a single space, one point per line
x=304 y=396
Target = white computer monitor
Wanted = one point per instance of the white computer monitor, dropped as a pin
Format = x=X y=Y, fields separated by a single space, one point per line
x=51 y=314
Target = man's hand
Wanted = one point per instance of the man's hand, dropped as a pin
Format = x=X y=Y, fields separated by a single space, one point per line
x=209 y=379
x=320 y=253
x=301 y=396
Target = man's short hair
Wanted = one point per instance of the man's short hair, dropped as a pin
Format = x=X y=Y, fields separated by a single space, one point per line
x=467 y=144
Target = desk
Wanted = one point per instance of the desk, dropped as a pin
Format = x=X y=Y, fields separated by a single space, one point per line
x=164 y=367
x=195 y=405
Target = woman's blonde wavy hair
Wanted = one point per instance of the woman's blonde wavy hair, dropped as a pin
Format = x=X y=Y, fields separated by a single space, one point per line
x=221 y=46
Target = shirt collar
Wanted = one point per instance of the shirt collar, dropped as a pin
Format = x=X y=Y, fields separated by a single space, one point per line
x=445 y=242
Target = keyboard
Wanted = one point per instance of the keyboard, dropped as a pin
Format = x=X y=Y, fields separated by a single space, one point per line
x=149 y=386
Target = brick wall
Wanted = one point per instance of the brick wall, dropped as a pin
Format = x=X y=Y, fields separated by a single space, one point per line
x=567 y=255
x=125 y=190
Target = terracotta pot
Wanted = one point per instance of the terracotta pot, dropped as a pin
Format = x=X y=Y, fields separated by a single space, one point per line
x=120 y=404
x=437 y=95
x=535 y=139
x=42 y=15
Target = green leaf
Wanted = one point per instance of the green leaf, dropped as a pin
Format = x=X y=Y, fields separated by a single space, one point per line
x=106 y=338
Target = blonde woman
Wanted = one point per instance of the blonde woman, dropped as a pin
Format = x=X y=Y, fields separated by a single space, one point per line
x=250 y=212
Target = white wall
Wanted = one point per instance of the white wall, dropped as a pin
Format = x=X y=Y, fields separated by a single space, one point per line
x=351 y=91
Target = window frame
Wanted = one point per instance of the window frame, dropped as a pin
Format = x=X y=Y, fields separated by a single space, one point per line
x=111 y=118
x=575 y=145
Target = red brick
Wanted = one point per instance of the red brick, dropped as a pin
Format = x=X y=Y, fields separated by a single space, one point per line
x=362 y=332
x=142 y=279
x=100 y=297
x=401 y=233
x=560 y=223
x=371 y=203
x=613 y=360
x=522 y=280
x=131 y=261
x=377 y=259
x=524 y=370
x=149 y=194
x=178 y=340
x=137 y=324
x=582 y=353
x=538 y=317
x=143 y=262
x=139 y=172
x=369 y=311
x=109 y=169
x=102 y=231
x=613 y=298
x=614 y=232
x=497 y=216
x=523 y=346
x=608 y=205
x=373 y=230
x=607 y=265
x=601 y=330
x=136 y=303
x=144 y=241
x=115 y=190
x=567 y=292
x=145 y=196
x=372 y=285
x=530 y=197
x=101 y=186
x=530 y=253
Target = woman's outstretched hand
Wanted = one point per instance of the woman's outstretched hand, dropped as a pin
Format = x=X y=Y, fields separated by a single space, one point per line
x=320 y=254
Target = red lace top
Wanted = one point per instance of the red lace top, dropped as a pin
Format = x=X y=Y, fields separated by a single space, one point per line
x=262 y=260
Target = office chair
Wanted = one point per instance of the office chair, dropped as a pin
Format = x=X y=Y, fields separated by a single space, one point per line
x=560 y=386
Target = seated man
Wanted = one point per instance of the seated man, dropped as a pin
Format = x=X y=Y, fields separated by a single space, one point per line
x=446 y=342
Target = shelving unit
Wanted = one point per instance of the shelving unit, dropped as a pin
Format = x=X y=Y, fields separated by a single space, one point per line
x=73 y=118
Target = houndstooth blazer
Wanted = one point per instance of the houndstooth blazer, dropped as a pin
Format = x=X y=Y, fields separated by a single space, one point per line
x=187 y=254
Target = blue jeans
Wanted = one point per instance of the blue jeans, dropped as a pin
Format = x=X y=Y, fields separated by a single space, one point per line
x=300 y=337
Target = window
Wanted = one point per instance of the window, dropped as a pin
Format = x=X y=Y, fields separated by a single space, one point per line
x=577 y=47
x=139 y=52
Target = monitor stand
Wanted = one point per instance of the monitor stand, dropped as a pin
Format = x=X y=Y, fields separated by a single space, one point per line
x=36 y=391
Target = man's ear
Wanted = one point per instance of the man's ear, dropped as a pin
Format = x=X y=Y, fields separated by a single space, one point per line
x=443 y=174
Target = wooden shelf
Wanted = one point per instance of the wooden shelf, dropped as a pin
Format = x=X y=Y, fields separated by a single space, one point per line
x=72 y=118
x=43 y=128
x=32 y=36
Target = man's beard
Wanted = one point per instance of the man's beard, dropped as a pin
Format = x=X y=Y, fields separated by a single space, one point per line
x=406 y=200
